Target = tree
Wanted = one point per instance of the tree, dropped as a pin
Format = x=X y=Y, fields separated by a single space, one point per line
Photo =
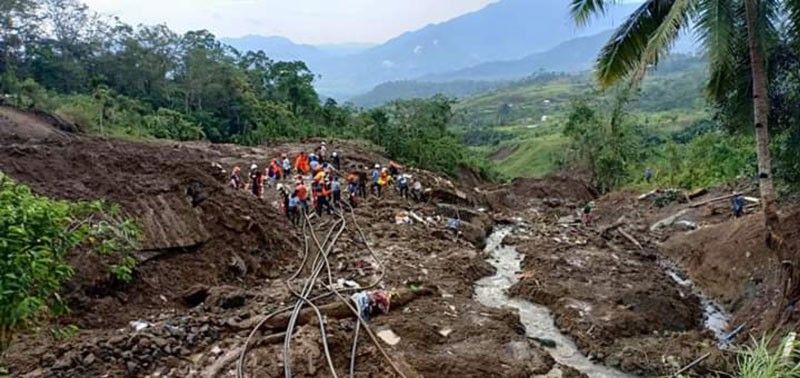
x=646 y=36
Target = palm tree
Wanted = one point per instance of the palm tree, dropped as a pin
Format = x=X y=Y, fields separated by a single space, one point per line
x=653 y=27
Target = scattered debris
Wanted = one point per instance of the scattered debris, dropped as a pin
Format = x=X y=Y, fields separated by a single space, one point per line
x=388 y=336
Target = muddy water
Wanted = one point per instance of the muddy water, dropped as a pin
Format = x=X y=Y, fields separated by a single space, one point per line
x=715 y=318
x=492 y=292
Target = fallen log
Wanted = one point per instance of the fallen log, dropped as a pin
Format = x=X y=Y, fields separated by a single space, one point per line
x=339 y=310
x=607 y=230
x=670 y=220
x=697 y=193
x=630 y=238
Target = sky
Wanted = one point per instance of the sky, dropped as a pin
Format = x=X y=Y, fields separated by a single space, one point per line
x=303 y=21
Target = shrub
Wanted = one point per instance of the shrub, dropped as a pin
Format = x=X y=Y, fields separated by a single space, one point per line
x=36 y=233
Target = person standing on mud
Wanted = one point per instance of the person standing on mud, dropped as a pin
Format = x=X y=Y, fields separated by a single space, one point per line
x=737 y=205
x=402 y=185
x=287 y=166
x=293 y=209
x=376 y=175
x=336 y=188
x=236 y=178
x=302 y=195
x=257 y=182
x=336 y=161
x=587 y=214
x=362 y=181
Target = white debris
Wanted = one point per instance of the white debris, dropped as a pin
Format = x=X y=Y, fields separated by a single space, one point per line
x=139 y=325
x=388 y=336
x=445 y=331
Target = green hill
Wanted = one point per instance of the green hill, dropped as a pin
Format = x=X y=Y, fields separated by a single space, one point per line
x=519 y=125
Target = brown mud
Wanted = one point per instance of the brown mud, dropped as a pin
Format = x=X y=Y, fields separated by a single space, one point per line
x=213 y=262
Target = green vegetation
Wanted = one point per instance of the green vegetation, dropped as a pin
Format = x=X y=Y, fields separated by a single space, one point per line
x=528 y=118
x=762 y=360
x=36 y=234
x=149 y=82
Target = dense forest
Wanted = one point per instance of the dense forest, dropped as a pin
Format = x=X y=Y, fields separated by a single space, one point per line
x=148 y=81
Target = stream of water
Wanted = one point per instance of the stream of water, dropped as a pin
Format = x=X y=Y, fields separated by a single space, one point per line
x=492 y=291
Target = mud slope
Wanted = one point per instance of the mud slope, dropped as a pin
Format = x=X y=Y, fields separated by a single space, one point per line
x=214 y=261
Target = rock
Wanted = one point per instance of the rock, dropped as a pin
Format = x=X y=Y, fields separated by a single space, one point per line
x=160 y=342
x=62 y=363
x=131 y=366
x=90 y=359
x=216 y=350
x=226 y=297
x=445 y=332
x=195 y=295
x=547 y=343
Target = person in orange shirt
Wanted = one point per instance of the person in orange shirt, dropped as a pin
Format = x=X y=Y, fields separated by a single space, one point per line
x=301 y=163
x=302 y=194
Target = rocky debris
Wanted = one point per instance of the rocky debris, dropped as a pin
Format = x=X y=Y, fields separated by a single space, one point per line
x=226 y=297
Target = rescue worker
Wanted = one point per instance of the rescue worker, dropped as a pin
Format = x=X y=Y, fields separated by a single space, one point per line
x=257 y=180
x=376 y=174
x=648 y=174
x=286 y=165
x=313 y=161
x=323 y=151
x=323 y=198
x=302 y=195
x=352 y=189
x=362 y=181
x=587 y=214
x=394 y=168
x=293 y=209
x=277 y=168
x=284 y=192
x=737 y=205
x=416 y=191
x=384 y=180
x=236 y=178
x=301 y=163
x=337 y=161
x=402 y=185
x=336 y=188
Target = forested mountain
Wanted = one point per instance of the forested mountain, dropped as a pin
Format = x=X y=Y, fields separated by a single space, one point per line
x=571 y=56
x=409 y=89
x=505 y=30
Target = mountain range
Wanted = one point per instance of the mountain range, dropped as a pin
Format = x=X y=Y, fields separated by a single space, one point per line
x=506 y=30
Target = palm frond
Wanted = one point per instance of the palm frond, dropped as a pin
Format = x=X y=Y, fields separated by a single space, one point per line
x=716 y=26
x=623 y=53
x=665 y=35
x=793 y=19
x=582 y=10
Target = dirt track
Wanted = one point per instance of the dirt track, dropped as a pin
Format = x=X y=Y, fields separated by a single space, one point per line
x=214 y=260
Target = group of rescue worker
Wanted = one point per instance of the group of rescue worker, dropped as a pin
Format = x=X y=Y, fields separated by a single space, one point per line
x=326 y=187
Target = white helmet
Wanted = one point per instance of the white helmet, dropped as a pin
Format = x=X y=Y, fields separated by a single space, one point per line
x=335 y=154
x=253 y=167
x=377 y=166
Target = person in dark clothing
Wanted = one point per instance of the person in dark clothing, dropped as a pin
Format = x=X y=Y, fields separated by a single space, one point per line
x=362 y=181
x=737 y=205
x=337 y=161
x=258 y=183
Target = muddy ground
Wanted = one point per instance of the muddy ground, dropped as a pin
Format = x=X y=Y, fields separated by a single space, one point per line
x=215 y=260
